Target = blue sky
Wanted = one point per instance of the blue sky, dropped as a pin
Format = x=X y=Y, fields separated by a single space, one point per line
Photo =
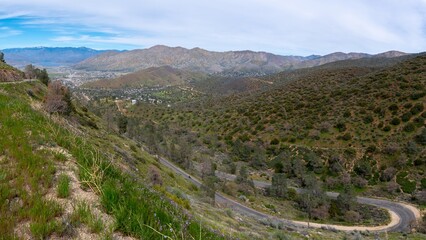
x=301 y=27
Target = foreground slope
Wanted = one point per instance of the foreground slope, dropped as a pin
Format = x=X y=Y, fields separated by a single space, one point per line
x=67 y=177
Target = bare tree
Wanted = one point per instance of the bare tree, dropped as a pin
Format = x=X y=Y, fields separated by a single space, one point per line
x=207 y=169
x=57 y=99
x=30 y=71
x=156 y=177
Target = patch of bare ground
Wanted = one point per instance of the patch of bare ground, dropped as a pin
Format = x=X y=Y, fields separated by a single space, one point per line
x=77 y=195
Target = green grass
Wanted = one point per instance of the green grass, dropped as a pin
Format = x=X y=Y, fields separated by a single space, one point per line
x=43 y=230
x=30 y=174
x=83 y=215
x=63 y=186
x=43 y=214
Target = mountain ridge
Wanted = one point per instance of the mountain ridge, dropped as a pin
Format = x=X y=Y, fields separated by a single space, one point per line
x=201 y=60
x=48 y=56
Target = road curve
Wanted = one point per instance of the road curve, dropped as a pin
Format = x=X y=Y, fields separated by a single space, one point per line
x=402 y=215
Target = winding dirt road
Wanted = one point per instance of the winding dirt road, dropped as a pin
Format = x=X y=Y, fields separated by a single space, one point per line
x=402 y=214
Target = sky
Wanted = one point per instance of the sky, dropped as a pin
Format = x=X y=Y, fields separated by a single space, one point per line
x=297 y=27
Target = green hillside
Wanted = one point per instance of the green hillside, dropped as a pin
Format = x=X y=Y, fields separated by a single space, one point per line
x=9 y=73
x=66 y=176
x=364 y=120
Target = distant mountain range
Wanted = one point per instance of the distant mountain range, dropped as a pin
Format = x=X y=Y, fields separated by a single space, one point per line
x=231 y=63
x=48 y=57
x=200 y=60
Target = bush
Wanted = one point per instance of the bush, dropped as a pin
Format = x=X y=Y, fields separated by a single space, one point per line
x=387 y=128
x=421 y=138
x=395 y=121
x=388 y=174
x=393 y=107
x=359 y=182
x=407 y=185
x=347 y=114
x=423 y=183
x=392 y=187
x=409 y=127
x=391 y=148
x=352 y=216
x=406 y=116
x=58 y=99
x=341 y=126
x=417 y=108
x=368 y=119
x=347 y=137
x=275 y=141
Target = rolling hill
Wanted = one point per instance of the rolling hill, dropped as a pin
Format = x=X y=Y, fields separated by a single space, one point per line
x=344 y=119
x=154 y=76
x=199 y=60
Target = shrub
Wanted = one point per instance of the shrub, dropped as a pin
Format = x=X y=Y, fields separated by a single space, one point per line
x=368 y=119
x=352 y=216
x=347 y=137
x=417 y=108
x=421 y=138
x=395 y=121
x=423 y=183
x=58 y=99
x=388 y=174
x=392 y=187
x=406 y=116
x=408 y=105
x=371 y=149
x=275 y=141
x=387 y=128
x=393 y=107
x=341 y=126
x=407 y=185
x=409 y=127
x=359 y=182
x=391 y=148
x=155 y=176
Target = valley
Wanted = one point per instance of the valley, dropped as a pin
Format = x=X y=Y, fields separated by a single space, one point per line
x=212 y=120
x=326 y=149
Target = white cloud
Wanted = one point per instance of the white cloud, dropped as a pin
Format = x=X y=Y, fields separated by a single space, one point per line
x=286 y=27
x=8 y=32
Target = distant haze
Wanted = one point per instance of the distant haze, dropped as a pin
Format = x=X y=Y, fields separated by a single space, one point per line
x=282 y=27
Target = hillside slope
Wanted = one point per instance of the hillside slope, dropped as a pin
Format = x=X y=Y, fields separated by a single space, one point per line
x=344 y=122
x=9 y=73
x=70 y=177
